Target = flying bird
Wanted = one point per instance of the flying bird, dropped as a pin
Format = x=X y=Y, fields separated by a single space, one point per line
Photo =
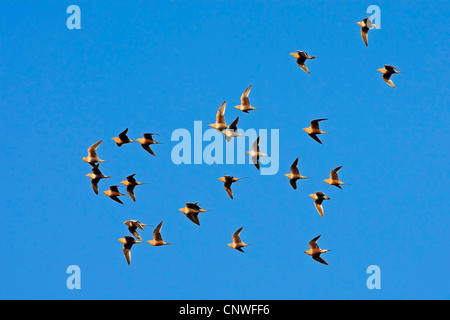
x=245 y=102
x=256 y=153
x=96 y=176
x=146 y=141
x=123 y=138
x=92 y=157
x=313 y=130
x=220 y=118
x=157 y=238
x=114 y=193
x=366 y=25
x=128 y=242
x=237 y=242
x=294 y=175
x=227 y=182
x=301 y=57
x=232 y=131
x=315 y=251
x=131 y=183
x=334 y=179
x=387 y=72
x=133 y=225
x=318 y=199
x=191 y=211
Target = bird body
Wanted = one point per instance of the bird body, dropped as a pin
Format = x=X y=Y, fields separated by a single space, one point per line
x=191 y=211
x=387 y=72
x=314 y=129
x=334 y=178
x=315 y=251
x=245 y=102
x=96 y=175
x=237 y=243
x=301 y=57
x=157 y=238
x=256 y=153
x=133 y=225
x=319 y=197
x=227 y=182
x=122 y=138
x=294 y=175
x=146 y=141
x=131 y=183
x=114 y=193
x=366 y=24
x=220 y=119
x=92 y=157
x=128 y=243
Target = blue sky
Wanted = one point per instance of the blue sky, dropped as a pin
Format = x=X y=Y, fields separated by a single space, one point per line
x=156 y=66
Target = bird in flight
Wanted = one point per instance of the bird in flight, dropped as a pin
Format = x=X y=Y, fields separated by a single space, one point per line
x=191 y=211
x=96 y=176
x=334 y=179
x=220 y=118
x=313 y=130
x=114 y=193
x=366 y=24
x=128 y=242
x=318 y=199
x=157 y=238
x=131 y=183
x=237 y=242
x=301 y=57
x=245 y=102
x=132 y=227
x=92 y=157
x=387 y=72
x=146 y=141
x=232 y=131
x=123 y=138
x=315 y=251
x=294 y=175
x=227 y=182
x=256 y=153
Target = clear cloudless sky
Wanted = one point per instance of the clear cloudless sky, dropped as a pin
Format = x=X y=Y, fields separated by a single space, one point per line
x=156 y=66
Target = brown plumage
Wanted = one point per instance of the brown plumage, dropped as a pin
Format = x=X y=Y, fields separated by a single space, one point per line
x=301 y=57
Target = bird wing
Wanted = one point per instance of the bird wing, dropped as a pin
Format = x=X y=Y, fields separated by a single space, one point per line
x=127 y=253
x=133 y=231
x=294 y=169
x=319 y=207
x=233 y=125
x=115 y=198
x=193 y=217
x=220 y=116
x=92 y=149
x=293 y=183
x=147 y=148
x=315 y=123
x=94 y=184
x=227 y=186
x=255 y=145
x=315 y=137
x=157 y=232
x=319 y=259
x=312 y=244
x=333 y=173
x=131 y=178
x=244 y=97
x=235 y=237
x=364 y=34
x=303 y=66
x=130 y=191
x=123 y=135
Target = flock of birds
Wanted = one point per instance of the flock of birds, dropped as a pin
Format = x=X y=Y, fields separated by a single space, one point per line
x=192 y=210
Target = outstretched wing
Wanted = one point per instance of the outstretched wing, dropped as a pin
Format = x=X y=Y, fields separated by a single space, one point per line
x=334 y=173
x=235 y=237
x=92 y=149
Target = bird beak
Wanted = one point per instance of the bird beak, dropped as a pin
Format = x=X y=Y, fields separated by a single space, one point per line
x=381 y=70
